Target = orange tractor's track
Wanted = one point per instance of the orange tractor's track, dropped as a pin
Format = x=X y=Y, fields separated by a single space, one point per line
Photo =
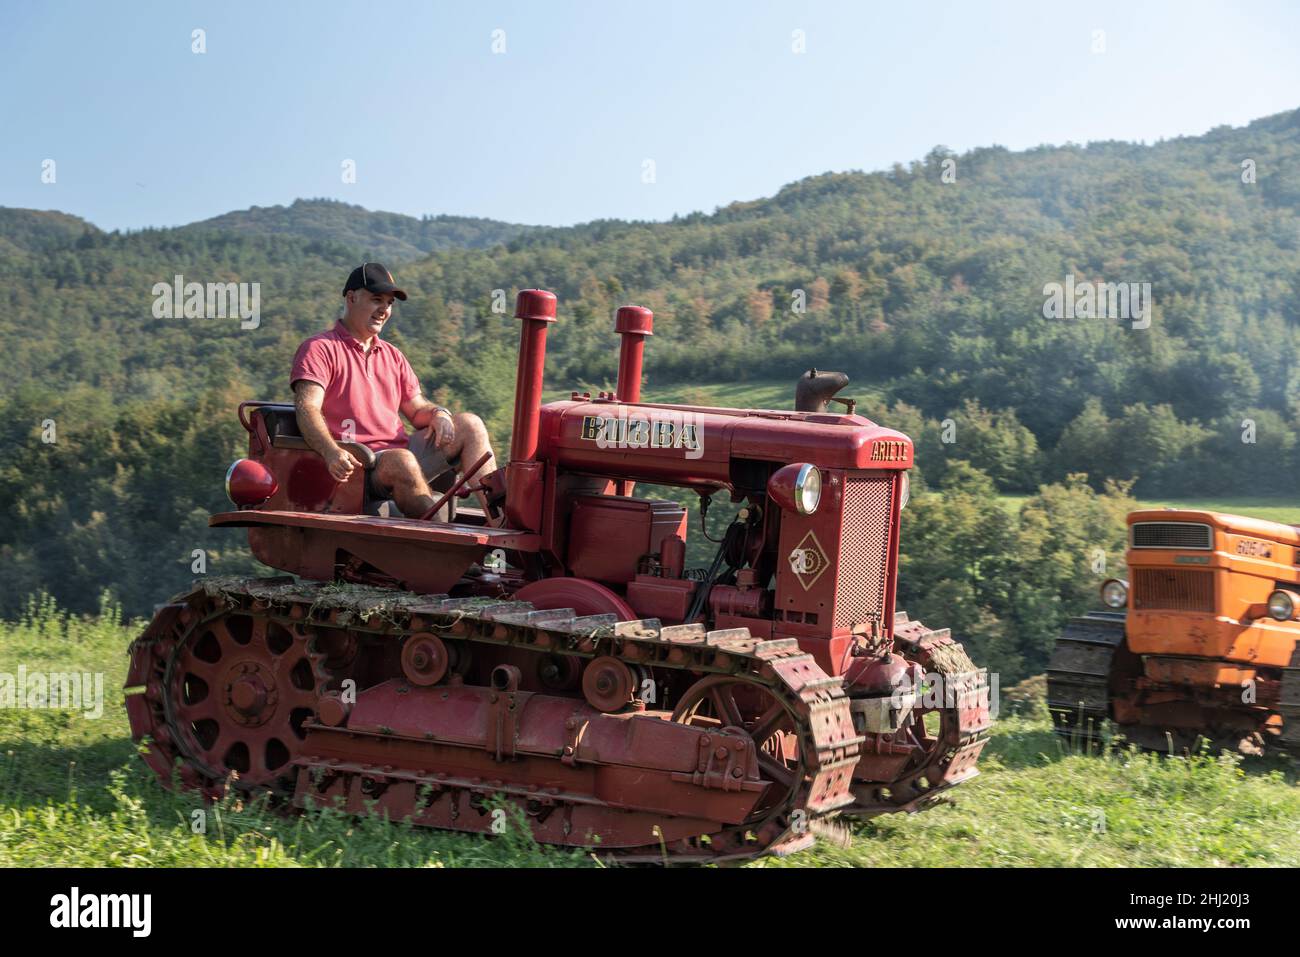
x=1091 y=664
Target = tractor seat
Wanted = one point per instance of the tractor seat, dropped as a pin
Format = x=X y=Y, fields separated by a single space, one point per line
x=282 y=427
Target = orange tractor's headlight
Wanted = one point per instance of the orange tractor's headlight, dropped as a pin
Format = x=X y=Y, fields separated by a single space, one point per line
x=1283 y=604
x=1114 y=593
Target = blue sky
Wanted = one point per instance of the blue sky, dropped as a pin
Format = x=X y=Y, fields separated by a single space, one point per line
x=557 y=128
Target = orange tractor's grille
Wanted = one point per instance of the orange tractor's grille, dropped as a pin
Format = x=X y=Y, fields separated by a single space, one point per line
x=1172 y=535
x=1173 y=590
x=860 y=589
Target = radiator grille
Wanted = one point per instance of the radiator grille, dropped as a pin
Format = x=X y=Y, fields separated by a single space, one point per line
x=1174 y=589
x=1172 y=535
x=864 y=552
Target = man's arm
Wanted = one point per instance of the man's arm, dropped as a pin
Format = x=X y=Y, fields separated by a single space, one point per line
x=308 y=398
x=419 y=411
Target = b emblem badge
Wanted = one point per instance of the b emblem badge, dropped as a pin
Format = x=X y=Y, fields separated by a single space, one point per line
x=808 y=561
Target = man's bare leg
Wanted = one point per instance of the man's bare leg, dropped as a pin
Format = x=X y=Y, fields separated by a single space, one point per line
x=398 y=470
x=470 y=443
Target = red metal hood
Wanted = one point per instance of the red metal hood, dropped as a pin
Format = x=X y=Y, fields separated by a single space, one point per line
x=691 y=444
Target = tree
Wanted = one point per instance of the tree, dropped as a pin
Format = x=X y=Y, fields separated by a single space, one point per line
x=1088 y=446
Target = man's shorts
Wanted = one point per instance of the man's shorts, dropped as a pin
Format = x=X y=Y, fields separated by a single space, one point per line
x=431 y=459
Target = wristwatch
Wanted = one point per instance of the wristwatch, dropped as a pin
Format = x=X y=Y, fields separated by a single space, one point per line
x=438 y=408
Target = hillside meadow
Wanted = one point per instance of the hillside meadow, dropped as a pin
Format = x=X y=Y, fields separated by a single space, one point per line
x=73 y=793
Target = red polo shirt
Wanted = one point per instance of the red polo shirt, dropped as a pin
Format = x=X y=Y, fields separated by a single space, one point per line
x=367 y=386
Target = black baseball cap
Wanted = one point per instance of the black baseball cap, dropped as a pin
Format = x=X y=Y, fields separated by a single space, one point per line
x=373 y=277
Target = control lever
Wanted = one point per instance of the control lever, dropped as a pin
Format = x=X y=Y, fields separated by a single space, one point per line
x=446 y=496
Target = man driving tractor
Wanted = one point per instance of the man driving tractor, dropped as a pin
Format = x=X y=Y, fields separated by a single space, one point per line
x=350 y=386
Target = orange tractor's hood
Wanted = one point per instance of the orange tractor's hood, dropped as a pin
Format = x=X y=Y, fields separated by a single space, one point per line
x=1239 y=524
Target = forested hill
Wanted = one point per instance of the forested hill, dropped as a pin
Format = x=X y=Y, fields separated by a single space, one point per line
x=925 y=282
x=390 y=237
x=26 y=231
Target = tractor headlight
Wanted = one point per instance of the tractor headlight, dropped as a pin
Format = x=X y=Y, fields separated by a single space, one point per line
x=1282 y=605
x=905 y=495
x=1114 y=593
x=796 y=487
x=808 y=489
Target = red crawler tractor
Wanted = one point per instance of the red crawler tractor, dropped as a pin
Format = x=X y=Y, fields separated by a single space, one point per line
x=551 y=655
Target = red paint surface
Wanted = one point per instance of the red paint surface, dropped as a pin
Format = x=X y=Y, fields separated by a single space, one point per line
x=583 y=596
x=536 y=309
x=633 y=324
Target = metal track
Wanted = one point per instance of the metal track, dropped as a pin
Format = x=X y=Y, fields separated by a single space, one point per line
x=948 y=756
x=1078 y=674
x=828 y=743
x=1079 y=695
x=1288 y=704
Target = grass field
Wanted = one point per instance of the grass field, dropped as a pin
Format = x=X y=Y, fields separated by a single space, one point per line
x=72 y=792
x=1269 y=509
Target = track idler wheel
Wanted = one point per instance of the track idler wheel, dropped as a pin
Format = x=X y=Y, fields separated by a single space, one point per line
x=558 y=672
x=608 y=684
x=425 y=659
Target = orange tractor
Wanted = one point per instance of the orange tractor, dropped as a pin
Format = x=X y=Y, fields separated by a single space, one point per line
x=1201 y=641
x=552 y=658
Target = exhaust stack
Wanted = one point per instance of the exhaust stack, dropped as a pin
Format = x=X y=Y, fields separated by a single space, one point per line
x=633 y=323
x=536 y=307
x=524 y=474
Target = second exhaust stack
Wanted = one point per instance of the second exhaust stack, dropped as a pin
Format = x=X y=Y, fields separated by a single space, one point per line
x=633 y=323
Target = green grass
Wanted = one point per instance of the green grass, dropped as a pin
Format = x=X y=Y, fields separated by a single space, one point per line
x=730 y=395
x=1275 y=509
x=1038 y=804
x=73 y=793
